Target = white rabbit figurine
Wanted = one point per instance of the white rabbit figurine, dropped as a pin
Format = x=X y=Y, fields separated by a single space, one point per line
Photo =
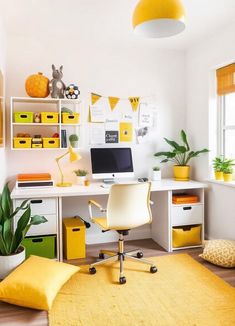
x=56 y=85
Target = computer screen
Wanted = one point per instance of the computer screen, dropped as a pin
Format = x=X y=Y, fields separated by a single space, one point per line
x=110 y=163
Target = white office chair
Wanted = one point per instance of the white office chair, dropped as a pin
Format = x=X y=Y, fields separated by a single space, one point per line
x=128 y=207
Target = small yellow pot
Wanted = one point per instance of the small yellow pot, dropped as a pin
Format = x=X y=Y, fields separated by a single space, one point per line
x=228 y=177
x=219 y=175
x=181 y=172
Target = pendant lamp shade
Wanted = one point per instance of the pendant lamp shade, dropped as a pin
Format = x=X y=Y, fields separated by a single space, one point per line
x=158 y=18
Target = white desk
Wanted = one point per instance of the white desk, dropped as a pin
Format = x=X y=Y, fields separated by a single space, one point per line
x=165 y=214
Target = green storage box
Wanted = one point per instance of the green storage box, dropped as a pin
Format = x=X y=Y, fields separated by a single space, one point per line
x=44 y=246
x=23 y=117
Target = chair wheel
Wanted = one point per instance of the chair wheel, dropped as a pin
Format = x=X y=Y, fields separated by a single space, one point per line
x=139 y=254
x=153 y=269
x=122 y=280
x=101 y=255
x=92 y=270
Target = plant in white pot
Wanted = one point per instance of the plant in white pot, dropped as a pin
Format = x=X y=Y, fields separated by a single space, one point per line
x=81 y=176
x=157 y=173
x=12 y=253
x=180 y=154
x=73 y=139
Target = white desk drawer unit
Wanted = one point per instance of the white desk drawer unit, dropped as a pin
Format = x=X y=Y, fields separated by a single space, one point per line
x=187 y=214
x=41 y=206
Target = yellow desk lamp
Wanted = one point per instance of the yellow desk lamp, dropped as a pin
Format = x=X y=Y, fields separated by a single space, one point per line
x=73 y=157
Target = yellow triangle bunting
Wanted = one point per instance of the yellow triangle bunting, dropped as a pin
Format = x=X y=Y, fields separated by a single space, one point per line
x=113 y=101
x=134 y=103
x=95 y=98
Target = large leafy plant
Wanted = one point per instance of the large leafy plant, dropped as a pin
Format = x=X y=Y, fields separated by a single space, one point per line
x=11 y=240
x=180 y=154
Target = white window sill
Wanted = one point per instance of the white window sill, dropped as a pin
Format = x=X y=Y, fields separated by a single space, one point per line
x=222 y=183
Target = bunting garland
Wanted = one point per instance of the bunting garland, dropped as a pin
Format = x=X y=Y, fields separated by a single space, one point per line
x=113 y=101
x=95 y=98
x=134 y=103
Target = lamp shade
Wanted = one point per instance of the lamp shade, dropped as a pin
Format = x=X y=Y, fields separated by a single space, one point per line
x=158 y=18
x=73 y=156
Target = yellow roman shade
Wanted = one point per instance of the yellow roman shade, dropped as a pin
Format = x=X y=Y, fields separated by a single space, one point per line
x=226 y=79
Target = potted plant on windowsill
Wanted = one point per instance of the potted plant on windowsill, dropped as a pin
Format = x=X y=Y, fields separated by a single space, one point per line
x=73 y=139
x=156 y=173
x=12 y=253
x=180 y=155
x=81 y=176
x=218 y=167
x=227 y=168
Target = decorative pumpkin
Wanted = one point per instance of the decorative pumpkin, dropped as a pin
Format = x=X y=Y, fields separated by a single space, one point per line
x=37 y=85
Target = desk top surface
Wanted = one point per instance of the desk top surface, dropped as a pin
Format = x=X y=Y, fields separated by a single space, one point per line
x=96 y=189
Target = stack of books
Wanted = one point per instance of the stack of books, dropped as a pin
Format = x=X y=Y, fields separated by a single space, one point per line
x=34 y=180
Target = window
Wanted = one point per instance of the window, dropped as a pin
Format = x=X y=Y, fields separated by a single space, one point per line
x=226 y=111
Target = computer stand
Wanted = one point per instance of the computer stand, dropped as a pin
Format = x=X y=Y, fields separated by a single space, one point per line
x=109 y=181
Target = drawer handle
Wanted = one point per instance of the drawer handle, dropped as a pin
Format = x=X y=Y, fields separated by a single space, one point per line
x=36 y=201
x=75 y=229
x=37 y=240
x=187 y=208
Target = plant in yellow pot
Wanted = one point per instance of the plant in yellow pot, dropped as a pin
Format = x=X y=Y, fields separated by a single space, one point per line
x=180 y=155
x=218 y=167
x=227 y=168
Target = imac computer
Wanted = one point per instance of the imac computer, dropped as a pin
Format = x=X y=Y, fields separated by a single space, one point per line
x=111 y=163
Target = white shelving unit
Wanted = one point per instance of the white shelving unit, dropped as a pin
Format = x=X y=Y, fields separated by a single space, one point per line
x=37 y=105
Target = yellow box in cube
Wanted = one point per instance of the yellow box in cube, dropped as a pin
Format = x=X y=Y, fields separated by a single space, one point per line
x=185 y=236
x=70 y=118
x=74 y=234
x=22 y=142
x=51 y=142
x=23 y=117
x=49 y=117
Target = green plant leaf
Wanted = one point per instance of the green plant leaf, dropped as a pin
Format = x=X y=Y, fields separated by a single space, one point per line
x=21 y=225
x=165 y=160
x=172 y=143
x=184 y=139
x=167 y=154
x=23 y=206
x=7 y=234
x=6 y=202
x=3 y=250
x=37 y=219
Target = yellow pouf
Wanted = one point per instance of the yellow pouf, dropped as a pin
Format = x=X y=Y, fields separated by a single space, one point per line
x=37 y=85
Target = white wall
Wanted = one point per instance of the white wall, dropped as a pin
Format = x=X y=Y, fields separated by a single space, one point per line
x=3 y=172
x=201 y=62
x=110 y=66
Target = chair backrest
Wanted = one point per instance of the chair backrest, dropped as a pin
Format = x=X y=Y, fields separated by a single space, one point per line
x=129 y=206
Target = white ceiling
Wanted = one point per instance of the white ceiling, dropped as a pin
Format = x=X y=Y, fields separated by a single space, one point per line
x=103 y=21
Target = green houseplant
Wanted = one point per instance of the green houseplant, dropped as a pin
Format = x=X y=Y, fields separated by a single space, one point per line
x=81 y=176
x=156 y=173
x=11 y=251
x=227 y=168
x=73 y=139
x=180 y=154
x=218 y=167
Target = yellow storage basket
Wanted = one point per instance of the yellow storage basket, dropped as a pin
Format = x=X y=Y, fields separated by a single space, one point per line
x=70 y=118
x=21 y=142
x=51 y=142
x=23 y=117
x=49 y=117
x=185 y=236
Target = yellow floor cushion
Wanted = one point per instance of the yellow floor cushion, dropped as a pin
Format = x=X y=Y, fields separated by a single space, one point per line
x=36 y=282
x=220 y=252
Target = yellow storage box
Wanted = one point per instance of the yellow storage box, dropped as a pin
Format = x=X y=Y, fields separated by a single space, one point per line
x=22 y=142
x=51 y=142
x=70 y=118
x=185 y=236
x=23 y=117
x=74 y=233
x=49 y=117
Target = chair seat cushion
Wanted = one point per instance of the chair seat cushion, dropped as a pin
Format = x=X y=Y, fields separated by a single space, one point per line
x=220 y=252
x=35 y=282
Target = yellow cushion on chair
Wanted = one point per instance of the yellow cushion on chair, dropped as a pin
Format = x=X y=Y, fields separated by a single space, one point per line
x=35 y=282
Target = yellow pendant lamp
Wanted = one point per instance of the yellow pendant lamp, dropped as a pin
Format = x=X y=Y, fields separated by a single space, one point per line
x=158 y=18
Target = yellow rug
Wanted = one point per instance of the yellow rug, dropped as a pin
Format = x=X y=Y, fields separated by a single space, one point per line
x=181 y=293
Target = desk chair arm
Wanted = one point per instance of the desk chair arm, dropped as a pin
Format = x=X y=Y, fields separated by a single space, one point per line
x=93 y=202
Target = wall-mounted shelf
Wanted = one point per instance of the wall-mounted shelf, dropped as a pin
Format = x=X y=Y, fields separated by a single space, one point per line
x=46 y=130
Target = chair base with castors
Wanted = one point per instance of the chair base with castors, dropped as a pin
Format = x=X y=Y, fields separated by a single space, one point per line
x=121 y=256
